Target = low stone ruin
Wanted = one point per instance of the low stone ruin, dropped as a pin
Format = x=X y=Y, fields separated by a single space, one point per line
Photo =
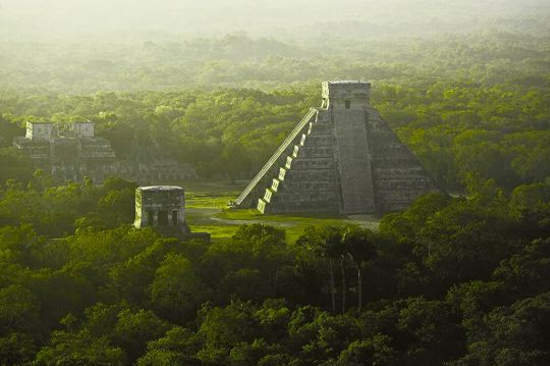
x=71 y=152
x=163 y=208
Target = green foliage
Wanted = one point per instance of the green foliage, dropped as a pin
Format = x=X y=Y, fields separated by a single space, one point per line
x=513 y=335
x=178 y=346
x=15 y=165
x=177 y=290
x=134 y=329
x=80 y=349
x=450 y=280
x=372 y=351
x=55 y=211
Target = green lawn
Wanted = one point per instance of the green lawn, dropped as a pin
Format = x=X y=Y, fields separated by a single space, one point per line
x=211 y=195
x=206 y=210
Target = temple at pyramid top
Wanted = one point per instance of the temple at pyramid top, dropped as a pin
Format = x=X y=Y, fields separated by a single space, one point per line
x=341 y=158
x=345 y=94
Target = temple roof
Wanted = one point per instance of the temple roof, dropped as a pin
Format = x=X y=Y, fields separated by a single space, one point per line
x=160 y=188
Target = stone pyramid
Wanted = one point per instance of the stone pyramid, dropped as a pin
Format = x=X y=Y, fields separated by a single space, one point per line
x=342 y=158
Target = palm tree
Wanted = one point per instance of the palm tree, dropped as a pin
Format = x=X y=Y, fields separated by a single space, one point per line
x=326 y=243
x=331 y=246
x=359 y=245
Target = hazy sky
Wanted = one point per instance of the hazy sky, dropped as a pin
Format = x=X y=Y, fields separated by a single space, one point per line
x=219 y=16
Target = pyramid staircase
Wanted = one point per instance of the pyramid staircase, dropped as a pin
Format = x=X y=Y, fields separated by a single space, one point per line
x=299 y=175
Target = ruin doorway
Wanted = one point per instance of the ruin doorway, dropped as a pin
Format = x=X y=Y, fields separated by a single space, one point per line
x=163 y=218
x=174 y=218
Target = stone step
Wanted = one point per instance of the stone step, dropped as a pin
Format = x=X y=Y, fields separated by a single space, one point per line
x=317 y=152
x=311 y=175
x=314 y=163
x=325 y=129
x=292 y=196
x=302 y=206
x=321 y=140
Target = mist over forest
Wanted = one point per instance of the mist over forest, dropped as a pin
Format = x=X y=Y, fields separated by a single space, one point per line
x=284 y=18
x=87 y=46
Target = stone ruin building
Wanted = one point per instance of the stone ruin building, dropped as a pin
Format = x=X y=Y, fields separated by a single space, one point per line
x=68 y=151
x=342 y=158
x=163 y=208
x=71 y=151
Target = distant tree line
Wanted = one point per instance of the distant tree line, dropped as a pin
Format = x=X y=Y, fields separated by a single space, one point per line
x=463 y=132
x=490 y=56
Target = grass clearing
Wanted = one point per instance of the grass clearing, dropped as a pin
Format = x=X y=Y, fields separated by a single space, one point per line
x=206 y=210
x=211 y=194
x=216 y=231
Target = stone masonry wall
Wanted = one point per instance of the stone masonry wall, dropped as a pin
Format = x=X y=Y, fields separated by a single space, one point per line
x=398 y=176
x=353 y=161
x=311 y=180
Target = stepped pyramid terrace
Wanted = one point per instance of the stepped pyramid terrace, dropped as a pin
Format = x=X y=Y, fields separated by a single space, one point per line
x=342 y=158
x=72 y=151
x=69 y=151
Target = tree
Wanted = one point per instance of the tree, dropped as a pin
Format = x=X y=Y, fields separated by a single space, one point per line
x=17 y=348
x=257 y=252
x=177 y=290
x=225 y=328
x=325 y=242
x=15 y=165
x=72 y=347
x=524 y=274
x=513 y=335
x=373 y=351
x=464 y=241
x=178 y=347
x=134 y=329
x=360 y=246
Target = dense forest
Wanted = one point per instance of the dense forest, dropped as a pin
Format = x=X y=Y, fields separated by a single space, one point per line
x=460 y=278
x=455 y=280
